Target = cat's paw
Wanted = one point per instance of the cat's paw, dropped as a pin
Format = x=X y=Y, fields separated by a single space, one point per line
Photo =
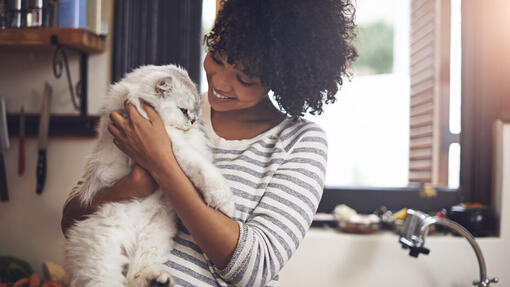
x=153 y=276
x=164 y=280
x=228 y=208
x=218 y=195
x=221 y=198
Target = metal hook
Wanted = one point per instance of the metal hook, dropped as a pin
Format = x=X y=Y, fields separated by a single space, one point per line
x=57 y=72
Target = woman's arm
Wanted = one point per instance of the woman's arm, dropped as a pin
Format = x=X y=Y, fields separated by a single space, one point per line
x=215 y=233
x=274 y=229
x=137 y=184
x=147 y=143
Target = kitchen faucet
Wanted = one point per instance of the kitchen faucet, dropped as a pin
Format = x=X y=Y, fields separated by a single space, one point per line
x=415 y=228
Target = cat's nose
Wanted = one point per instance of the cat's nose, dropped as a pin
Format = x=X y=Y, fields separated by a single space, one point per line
x=193 y=120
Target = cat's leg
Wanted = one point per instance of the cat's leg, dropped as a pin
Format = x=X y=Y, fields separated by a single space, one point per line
x=153 y=247
x=94 y=253
x=205 y=176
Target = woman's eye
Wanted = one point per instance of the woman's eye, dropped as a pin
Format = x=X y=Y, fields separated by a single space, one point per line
x=244 y=83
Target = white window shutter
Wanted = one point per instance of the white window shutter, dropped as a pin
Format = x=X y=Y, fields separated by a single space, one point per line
x=430 y=82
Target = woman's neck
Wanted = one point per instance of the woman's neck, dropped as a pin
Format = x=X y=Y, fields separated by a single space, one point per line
x=264 y=111
x=246 y=123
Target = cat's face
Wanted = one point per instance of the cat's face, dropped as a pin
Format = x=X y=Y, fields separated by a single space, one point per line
x=170 y=91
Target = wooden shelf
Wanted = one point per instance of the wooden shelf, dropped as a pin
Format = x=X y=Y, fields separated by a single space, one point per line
x=39 y=40
x=60 y=125
x=56 y=40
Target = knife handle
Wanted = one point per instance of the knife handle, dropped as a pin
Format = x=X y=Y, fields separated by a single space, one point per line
x=4 y=196
x=41 y=171
x=21 y=156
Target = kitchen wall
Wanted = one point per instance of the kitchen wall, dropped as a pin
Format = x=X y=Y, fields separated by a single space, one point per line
x=330 y=258
x=30 y=223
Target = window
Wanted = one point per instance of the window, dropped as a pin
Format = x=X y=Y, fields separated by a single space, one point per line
x=368 y=126
x=475 y=103
x=388 y=128
x=396 y=124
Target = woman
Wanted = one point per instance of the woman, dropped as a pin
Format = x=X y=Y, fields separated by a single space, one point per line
x=274 y=161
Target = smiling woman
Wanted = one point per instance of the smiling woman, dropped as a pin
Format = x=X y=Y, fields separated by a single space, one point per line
x=232 y=93
x=229 y=87
x=273 y=161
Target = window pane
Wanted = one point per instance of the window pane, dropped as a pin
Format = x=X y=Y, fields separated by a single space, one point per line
x=208 y=17
x=455 y=67
x=368 y=127
x=454 y=165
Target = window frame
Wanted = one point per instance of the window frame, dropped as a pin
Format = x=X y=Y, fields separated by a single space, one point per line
x=368 y=199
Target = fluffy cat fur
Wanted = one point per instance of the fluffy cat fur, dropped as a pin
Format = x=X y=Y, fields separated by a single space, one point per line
x=126 y=243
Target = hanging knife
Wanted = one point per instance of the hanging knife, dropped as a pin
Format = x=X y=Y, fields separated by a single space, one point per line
x=21 y=146
x=44 y=121
x=4 y=144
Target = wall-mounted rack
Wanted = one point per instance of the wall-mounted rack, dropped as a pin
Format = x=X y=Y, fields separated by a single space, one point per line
x=58 y=40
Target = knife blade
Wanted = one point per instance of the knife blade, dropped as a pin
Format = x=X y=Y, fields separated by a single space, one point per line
x=21 y=146
x=44 y=121
x=4 y=144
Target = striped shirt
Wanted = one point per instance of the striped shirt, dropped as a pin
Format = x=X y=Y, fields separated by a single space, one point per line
x=277 y=180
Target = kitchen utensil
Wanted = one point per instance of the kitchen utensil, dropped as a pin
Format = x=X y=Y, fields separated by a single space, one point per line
x=72 y=13
x=3 y=14
x=33 y=13
x=21 y=145
x=50 y=13
x=4 y=144
x=44 y=121
x=477 y=219
x=15 y=14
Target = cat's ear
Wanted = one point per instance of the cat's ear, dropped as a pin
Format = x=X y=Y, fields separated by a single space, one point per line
x=164 y=86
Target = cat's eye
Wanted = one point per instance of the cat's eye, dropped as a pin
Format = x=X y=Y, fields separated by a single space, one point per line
x=184 y=111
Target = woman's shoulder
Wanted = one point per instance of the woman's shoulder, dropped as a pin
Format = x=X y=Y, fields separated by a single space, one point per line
x=298 y=129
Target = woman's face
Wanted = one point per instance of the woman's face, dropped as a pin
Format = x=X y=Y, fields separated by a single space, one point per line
x=229 y=88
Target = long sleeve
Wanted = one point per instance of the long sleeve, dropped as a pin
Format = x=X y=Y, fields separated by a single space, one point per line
x=273 y=231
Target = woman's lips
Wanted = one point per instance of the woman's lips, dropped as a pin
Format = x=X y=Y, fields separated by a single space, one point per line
x=220 y=98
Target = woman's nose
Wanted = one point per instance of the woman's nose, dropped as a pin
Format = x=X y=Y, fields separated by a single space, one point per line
x=221 y=82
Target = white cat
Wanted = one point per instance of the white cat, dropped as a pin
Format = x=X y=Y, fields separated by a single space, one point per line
x=126 y=243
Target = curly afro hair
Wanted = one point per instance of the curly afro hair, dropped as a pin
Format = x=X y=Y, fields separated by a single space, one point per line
x=300 y=49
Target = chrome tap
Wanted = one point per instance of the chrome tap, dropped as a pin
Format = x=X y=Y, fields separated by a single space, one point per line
x=416 y=227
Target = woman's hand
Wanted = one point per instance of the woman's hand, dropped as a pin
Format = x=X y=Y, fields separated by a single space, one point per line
x=144 y=141
x=143 y=181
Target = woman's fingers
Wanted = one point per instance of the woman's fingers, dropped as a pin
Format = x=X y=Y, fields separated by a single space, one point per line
x=117 y=133
x=119 y=145
x=118 y=119
x=151 y=113
x=131 y=112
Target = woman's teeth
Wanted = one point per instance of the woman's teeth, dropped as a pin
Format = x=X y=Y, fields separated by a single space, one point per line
x=220 y=96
